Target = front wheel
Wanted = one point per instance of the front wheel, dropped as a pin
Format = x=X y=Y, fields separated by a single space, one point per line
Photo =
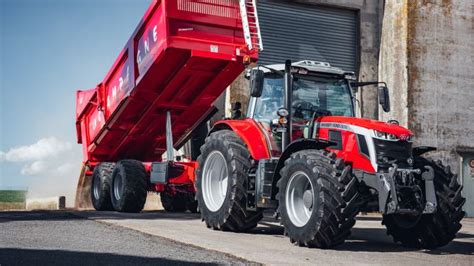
x=221 y=183
x=318 y=199
x=431 y=230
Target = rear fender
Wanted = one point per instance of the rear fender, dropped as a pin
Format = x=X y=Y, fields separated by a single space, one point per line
x=251 y=135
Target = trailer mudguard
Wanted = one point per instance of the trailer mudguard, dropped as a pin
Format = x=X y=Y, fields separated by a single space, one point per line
x=251 y=135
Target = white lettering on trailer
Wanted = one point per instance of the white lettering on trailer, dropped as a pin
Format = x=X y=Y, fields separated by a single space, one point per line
x=139 y=58
x=214 y=48
x=120 y=83
x=147 y=47
x=155 y=34
x=114 y=92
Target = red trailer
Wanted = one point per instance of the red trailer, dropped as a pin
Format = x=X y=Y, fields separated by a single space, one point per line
x=180 y=58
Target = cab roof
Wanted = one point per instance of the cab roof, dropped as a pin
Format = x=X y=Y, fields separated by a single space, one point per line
x=311 y=66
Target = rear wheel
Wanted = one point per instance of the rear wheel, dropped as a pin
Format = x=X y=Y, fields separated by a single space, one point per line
x=431 y=230
x=221 y=181
x=318 y=199
x=100 y=190
x=129 y=186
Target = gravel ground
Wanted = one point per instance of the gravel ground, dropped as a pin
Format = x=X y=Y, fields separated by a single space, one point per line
x=59 y=238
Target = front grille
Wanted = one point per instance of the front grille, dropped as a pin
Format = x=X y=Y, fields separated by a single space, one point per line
x=390 y=152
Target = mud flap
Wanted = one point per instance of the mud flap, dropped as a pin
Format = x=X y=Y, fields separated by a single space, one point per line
x=83 y=190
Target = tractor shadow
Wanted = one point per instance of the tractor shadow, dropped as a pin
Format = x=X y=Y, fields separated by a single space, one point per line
x=374 y=239
x=144 y=215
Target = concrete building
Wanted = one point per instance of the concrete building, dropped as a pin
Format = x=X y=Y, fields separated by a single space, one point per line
x=423 y=49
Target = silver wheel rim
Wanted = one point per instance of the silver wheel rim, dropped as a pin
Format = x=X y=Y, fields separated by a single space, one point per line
x=96 y=187
x=214 y=180
x=118 y=186
x=299 y=198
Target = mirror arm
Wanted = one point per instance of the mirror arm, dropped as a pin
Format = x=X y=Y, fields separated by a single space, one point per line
x=362 y=84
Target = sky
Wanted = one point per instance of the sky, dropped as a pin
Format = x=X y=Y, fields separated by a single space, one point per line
x=48 y=50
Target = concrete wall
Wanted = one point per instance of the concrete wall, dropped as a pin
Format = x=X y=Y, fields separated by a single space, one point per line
x=394 y=59
x=369 y=32
x=427 y=55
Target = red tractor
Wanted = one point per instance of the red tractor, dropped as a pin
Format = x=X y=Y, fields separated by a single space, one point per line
x=302 y=153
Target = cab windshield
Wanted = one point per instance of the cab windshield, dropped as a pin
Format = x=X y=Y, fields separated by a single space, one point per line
x=330 y=96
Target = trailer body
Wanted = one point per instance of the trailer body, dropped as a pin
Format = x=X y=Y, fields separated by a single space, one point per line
x=180 y=58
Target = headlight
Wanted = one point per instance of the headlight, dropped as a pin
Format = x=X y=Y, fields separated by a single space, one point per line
x=385 y=136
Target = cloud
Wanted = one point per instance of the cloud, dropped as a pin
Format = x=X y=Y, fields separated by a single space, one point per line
x=52 y=164
x=45 y=148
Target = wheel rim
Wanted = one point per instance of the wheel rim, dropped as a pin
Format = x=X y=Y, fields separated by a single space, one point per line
x=118 y=188
x=96 y=187
x=214 y=180
x=299 y=198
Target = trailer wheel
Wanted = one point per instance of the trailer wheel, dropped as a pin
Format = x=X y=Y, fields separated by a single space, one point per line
x=432 y=230
x=221 y=181
x=318 y=199
x=129 y=186
x=173 y=203
x=100 y=187
x=179 y=202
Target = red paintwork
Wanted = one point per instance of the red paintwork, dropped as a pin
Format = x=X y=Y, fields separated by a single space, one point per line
x=181 y=57
x=350 y=151
x=254 y=137
x=186 y=179
x=369 y=124
x=251 y=134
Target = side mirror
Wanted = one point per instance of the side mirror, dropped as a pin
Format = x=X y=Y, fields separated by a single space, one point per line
x=384 y=98
x=256 y=82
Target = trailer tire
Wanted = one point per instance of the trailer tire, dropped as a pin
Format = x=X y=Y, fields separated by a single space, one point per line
x=179 y=202
x=231 y=213
x=100 y=187
x=318 y=199
x=438 y=229
x=129 y=186
x=173 y=203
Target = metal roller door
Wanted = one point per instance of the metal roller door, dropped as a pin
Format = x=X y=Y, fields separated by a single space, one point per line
x=302 y=31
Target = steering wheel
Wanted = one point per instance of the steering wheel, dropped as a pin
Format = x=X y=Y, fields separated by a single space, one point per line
x=299 y=106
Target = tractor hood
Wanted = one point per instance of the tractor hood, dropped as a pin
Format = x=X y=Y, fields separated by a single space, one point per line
x=388 y=128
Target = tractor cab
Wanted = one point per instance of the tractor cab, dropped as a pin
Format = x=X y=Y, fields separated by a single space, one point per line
x=317 y=90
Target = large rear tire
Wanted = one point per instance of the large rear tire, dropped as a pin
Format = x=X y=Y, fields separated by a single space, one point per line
x=100 y=187
x=221 y=183
x=432 y=230
x=129 y=186
x=318 y=199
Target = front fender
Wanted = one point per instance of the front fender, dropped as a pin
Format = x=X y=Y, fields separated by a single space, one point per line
x=250 y=133
x=295 y=146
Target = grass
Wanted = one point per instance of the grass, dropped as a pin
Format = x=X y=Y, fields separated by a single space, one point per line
x=12 y=196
